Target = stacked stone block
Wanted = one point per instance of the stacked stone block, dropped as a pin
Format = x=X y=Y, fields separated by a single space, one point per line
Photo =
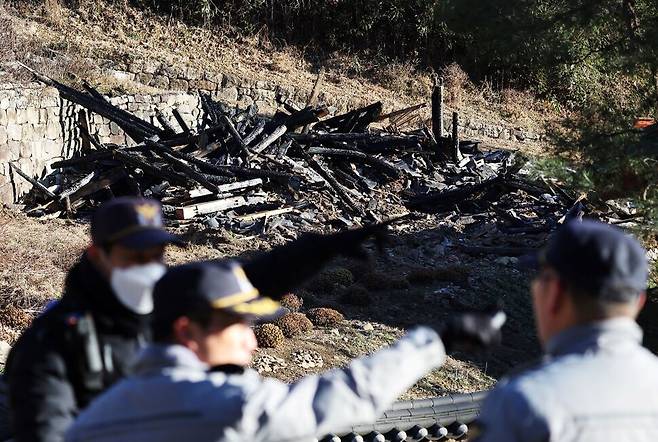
x=37 y=128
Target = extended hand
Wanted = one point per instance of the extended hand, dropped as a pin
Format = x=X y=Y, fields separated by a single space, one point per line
x=473 y=330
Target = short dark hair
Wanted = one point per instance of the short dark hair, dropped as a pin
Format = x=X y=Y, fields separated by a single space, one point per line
x=202 y=315
x=163 y=329
x=591 y=305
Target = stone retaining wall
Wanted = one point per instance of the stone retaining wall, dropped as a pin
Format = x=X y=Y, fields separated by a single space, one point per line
x=38 y=128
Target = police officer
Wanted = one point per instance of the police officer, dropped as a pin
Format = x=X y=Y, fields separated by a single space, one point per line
x=192 y=384
x=596 y=382
x=87 y=339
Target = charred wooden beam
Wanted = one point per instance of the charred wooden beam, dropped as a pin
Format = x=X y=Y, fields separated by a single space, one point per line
x=300 y=118
x=250 y=172
x=37 y=185
x=102 y=181
x=227 y=188
x=181 y=123
x=360 y=138
x=166 y=125
x=269 y=139
x=394 y=116
x=77 y=186
x=375 y=162
x=437 y=110
x=235 y=135
x=189 y=171
x=218 y=179
x=138 y=163
x=455 y=153
x=257 y=130
x=201 y=164
x=87 y=159
x=335 y=185
x=435 y=200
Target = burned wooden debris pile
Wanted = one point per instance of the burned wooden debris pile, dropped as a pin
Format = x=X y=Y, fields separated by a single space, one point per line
x=297 y=169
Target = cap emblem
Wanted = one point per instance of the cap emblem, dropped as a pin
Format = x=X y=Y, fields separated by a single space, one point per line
x=148 y=214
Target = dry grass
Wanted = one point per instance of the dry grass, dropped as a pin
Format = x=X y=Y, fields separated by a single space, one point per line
x=456 y=83
x=35 y=257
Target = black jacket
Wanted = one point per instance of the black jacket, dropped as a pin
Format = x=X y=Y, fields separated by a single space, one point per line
x=57 y=366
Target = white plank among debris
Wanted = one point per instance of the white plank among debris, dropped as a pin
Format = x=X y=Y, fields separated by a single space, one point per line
x=265 y=213
x=192 y=210
x=226 y=188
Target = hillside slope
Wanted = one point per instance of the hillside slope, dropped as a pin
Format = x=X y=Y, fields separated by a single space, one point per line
x=101 y=37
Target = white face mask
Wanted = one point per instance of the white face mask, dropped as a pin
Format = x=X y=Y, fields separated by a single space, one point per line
x=133 y=285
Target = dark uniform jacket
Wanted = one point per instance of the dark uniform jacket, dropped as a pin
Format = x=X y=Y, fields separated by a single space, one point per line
x=71 y=353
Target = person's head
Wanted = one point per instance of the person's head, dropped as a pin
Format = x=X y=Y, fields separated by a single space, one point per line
x=127 y=247
x=209 y=307
x=588 y=272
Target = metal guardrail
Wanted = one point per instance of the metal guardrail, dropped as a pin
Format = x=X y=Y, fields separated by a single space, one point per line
x=434 y=419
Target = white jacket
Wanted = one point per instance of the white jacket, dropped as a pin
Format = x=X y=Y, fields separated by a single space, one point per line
x=172 y=397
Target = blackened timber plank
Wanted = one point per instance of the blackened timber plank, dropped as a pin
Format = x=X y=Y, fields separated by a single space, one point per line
x=377 y=163
x=37 y=185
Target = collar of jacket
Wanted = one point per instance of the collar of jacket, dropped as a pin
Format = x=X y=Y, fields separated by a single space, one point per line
x=611 y=333
x=157 y=357
x=87 y=290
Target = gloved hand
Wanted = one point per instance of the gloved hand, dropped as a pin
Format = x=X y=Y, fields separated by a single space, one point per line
x=350 y=242
x=473 y=330
x=286 y=267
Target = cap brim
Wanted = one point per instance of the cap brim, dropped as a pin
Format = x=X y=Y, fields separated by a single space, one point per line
x=145 y=239
x=258 y=309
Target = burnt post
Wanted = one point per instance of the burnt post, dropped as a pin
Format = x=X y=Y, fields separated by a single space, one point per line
x=437 y=110
x=455 y=154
